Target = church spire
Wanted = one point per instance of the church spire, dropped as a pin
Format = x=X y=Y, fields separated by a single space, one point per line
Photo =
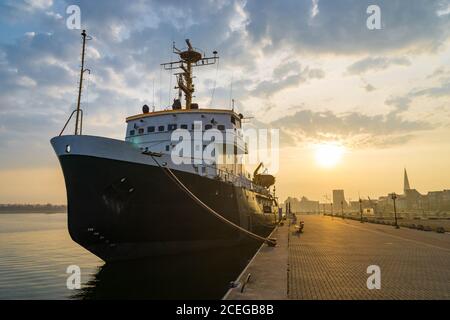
x=406 y=182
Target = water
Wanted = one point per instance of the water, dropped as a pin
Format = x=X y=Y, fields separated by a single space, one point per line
x=36 y=249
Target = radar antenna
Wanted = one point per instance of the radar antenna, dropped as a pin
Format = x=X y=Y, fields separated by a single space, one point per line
x=189 y=58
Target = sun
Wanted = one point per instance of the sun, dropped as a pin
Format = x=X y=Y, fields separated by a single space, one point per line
x=329 y=154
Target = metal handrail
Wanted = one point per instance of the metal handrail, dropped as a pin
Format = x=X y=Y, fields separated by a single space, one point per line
x=230 y=177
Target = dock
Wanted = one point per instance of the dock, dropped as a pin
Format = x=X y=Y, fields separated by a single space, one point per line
x=330 y=260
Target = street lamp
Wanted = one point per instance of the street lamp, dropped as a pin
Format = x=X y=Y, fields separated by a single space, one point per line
x=342 y=209
x=360 y=210
x=394 y=196
x=332 y=213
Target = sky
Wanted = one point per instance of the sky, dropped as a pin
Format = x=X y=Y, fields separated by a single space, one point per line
x=354 y=106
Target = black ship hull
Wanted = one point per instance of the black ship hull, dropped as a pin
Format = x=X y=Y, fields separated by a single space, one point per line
x=124 y=210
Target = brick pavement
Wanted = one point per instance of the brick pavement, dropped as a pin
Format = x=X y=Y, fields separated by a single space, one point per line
x=329 y=261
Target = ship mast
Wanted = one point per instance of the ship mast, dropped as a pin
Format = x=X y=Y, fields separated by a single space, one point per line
x=78 y=125
x=189 y=58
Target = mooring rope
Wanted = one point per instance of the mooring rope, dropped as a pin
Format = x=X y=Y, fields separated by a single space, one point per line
x=174 y=178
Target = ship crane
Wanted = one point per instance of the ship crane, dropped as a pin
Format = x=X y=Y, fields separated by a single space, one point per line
x=189 y=58
x=263 y=179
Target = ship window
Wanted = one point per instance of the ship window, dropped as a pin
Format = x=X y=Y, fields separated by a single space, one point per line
x=141 y=130
x=161 y=128
x=208 y=126
x=184 y=126
x=221 y=127
x=131 y=132
x=171 y=127
x=151 y=129
x=167 y=148
x=233 y=120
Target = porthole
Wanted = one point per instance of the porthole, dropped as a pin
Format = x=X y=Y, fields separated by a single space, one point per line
x=68 y=148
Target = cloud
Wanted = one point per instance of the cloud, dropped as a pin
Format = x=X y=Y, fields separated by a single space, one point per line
x=39 y=4
x=403 y=103
x=289 y=74
x=286 y=75
x=400 y=104
x=354 y=129
x=369 y=88
x=439 y=72
x=284 y=69
x=340 y=27
x=314 y=8
x=39 y=58
x=376 y=64
x=442 y=90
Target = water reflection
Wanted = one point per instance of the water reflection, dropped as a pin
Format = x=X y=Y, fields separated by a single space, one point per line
x=204 y=275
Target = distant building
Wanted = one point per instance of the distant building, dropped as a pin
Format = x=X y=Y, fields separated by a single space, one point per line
x=436 y=201
x=294 y=203
x=406 y=186
x=306 y=205
x=412 y=201
x=354 y=205
x=367 y=206
x=339 y=199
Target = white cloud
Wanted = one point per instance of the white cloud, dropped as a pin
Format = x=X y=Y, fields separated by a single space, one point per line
x=314 y=8
x=54 y=15
x=39 y=4
x=376 y=64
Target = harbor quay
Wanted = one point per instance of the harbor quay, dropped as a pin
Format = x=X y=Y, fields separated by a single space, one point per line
x=334 y=258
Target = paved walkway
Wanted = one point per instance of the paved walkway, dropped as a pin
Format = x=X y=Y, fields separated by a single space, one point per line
x=330 y=259
x=268 y=272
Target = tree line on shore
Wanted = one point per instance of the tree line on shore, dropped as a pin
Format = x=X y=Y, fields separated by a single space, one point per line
x=32 y=208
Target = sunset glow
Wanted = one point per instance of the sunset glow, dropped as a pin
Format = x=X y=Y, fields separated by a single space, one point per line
x=328 y=155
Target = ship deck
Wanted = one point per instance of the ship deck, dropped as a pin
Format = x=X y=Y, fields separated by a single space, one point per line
x=329 y=260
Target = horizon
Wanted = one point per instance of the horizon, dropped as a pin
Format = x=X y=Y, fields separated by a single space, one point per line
x=354 y=106
x=294 y=196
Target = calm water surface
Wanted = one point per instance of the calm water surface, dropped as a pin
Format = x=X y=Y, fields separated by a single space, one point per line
x=36 y=249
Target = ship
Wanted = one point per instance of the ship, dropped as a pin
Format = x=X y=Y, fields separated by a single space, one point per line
x=132 y=198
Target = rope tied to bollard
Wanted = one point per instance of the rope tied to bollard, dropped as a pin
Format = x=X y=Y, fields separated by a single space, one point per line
x=174 y=178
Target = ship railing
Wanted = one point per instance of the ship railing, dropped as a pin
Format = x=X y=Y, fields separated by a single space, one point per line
x=213 y=172
x=237 y=180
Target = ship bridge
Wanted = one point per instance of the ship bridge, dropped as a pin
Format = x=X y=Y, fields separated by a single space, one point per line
x=153 y=131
